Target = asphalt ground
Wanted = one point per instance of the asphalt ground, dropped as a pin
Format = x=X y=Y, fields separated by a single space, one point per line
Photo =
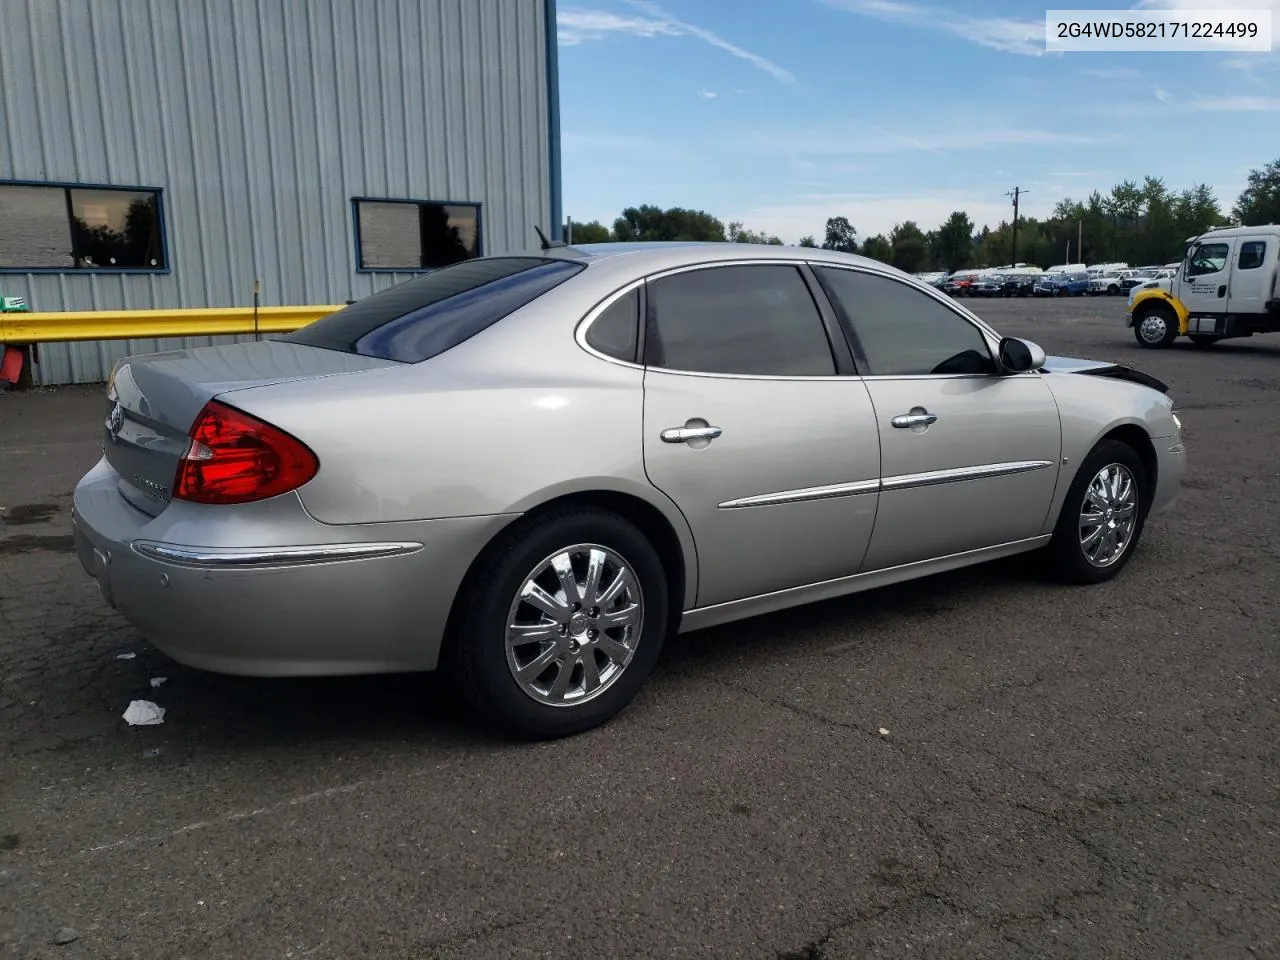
x=1084 y=772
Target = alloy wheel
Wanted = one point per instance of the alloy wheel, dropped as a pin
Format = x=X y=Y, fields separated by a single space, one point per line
x=574 y=625
x=1108 y=515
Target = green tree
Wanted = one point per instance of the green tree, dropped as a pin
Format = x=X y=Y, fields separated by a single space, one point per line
x=909 y=250
x=737 y=233
x=954 y=248
x=649 y=223
x=808 y=241
x=593 y=232
x=841 y=236
x=1259 y=202
x=878 y=248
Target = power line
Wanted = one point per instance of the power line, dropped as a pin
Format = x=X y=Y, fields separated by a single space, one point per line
x=1016 y=193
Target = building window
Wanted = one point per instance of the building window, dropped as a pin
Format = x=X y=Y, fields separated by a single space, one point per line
x=415 y=235
x=69 y=228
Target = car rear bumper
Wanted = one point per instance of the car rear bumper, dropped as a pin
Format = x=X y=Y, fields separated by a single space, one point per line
x=230 y=593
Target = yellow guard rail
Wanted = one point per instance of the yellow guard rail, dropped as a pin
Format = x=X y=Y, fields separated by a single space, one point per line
x=24 y=328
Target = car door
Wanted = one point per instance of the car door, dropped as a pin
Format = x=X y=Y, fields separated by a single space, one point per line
x=1203 y=290
x=756 y=429
x=968 y=458
x=1250 y=285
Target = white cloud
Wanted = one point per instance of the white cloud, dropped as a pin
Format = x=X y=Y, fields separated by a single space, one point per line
x=1116 y=73
x=708 y=94
x=1007 y=34
x=1163 y=95
x=575 y=26
x=1239 y=104
x=828 y=142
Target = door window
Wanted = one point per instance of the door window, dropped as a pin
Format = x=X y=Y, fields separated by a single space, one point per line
x=1252 y=253
x=749 y=320
x=1208 y=258
x=903 y=331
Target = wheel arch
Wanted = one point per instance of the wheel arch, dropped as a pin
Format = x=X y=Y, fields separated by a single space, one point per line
x=1136 y=436
x=663 y=525
x=1148 y=300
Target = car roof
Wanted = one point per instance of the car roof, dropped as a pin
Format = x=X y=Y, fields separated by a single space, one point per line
x=647 y=256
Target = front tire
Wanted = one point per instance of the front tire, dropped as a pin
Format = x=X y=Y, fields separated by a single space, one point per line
x=562 y=623
x=1103 y=517
x=1155 y=327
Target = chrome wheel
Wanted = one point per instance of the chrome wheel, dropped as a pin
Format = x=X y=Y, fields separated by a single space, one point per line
x=1153 y=328
x=1108 y=515
x=573 y=627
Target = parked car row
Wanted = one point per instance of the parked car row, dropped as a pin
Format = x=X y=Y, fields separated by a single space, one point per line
x=1066 y=280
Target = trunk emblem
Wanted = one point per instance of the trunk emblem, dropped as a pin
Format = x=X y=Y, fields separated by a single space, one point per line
x=115 y=421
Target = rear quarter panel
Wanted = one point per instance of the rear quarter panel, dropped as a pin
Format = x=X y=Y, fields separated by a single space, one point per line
x=512 y=418
x=1090 y=408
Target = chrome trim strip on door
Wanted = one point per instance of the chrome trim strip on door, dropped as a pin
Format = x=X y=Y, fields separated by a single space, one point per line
x=804 y=494
x=234 y=558
x=907 y=481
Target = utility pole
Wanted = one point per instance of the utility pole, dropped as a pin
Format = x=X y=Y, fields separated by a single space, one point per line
x=1016 y=193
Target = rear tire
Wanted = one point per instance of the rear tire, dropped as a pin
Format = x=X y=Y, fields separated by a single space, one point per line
x=1155 y=327
x=596 y=650
x=1103 y=517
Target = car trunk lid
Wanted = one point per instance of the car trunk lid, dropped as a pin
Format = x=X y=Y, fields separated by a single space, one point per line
x=153 y=400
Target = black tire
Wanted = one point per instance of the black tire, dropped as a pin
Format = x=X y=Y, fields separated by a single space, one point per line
x=478 y=650
x=1065 y=553
x=1203 y=339
x=1146 y=335
x=1113 y=291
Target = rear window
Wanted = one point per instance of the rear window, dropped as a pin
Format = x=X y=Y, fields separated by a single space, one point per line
x=428 y=315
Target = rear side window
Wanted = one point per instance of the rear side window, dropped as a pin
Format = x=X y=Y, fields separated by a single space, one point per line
x=745 y=320
x=615 y=332
x=428 y=315
x=1252 y=253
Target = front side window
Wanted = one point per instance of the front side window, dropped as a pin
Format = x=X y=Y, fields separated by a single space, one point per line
x=411 y=235
x=428 y=315
x=1208 y=258
x=1252 y=253
x=903 y=331
x=56 y=227
x=751 y=320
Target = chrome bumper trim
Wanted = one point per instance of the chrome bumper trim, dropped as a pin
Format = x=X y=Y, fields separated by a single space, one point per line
x=242 y=558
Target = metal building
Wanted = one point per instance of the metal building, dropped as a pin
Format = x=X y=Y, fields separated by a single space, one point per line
x=170 y=153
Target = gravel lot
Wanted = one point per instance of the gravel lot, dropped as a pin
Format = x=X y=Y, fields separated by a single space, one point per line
x=1068 y=773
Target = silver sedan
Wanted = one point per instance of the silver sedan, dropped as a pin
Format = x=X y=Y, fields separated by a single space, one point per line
x=531 y=471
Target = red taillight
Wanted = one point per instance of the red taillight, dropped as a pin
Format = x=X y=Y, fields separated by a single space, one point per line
x=235 y=458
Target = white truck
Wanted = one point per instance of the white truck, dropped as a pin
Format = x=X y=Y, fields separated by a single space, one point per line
x=1225 y=287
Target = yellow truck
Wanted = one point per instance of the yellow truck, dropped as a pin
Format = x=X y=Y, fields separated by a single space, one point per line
x=1225 y=287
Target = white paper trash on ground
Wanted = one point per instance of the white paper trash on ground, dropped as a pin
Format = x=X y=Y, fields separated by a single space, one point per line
x=158 y=681
x=144 y=713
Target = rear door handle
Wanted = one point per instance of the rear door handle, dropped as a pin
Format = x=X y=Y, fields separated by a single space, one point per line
x=904 y=420
x=685 y=434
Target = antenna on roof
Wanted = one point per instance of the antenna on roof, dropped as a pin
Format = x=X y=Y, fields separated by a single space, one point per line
x=547 y=244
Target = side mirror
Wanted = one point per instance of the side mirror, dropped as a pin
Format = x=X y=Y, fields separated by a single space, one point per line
x=1019 y=356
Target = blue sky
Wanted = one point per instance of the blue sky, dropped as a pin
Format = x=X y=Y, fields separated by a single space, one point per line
x=781 y=113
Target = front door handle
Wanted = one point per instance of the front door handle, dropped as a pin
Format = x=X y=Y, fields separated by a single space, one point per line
x=1222 y=290
x=917 y=418
x=685 y=434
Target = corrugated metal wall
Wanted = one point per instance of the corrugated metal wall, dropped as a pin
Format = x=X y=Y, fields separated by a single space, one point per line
x=261 y=119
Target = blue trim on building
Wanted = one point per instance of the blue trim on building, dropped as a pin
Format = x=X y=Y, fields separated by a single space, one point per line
x=98 y=271
x=553 y=121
